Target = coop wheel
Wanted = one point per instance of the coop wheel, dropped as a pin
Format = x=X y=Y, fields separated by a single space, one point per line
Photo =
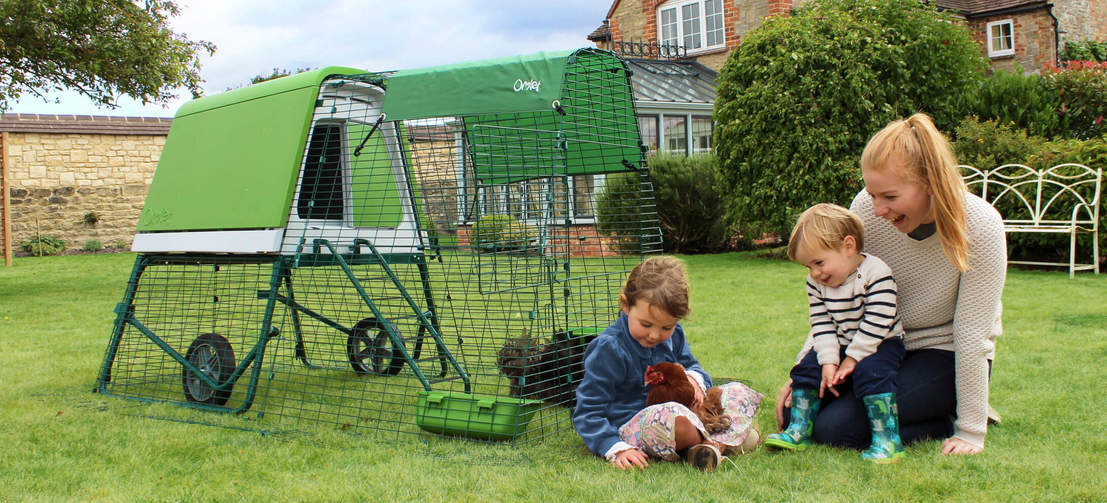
x=212 y=354
x=368 y=351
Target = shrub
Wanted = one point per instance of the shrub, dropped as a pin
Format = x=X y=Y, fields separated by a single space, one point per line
x=93 y=245
x=989 y=144
x=1082 y=89
x=43 y=244
x=1023 y=100
x=690 y=208
x=91 y=219
x=1091 y=153
x=120 y=245
x=1086 y=50
x=802 y=94
x=625 y=212
x=494 y=233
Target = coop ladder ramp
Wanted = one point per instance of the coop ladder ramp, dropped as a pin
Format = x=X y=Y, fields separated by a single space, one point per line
x=424 y=320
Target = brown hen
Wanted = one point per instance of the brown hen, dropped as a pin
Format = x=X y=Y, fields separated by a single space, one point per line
x=668 y=382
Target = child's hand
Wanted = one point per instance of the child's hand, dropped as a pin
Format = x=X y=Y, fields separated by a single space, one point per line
x=829 y=370
x=630 y=458
x=844 y=370
x=699 y=395
x=783 y=401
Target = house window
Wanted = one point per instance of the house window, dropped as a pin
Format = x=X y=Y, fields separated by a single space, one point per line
x=676 y=134
x=647 y=127
x=713 y=19
x=701 y=134
x=696 y=25
x=680 y=133
x=1001 y=38
x=668 y=23
x=534 y=200
x=584 y=195
x=690 y=25
x=321 y=185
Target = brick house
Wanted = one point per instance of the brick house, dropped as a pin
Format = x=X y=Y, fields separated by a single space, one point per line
x=1029 y=33
x=706 y=30
x=1012 y=32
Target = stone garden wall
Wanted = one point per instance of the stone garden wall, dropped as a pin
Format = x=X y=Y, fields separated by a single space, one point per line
x=81 y=179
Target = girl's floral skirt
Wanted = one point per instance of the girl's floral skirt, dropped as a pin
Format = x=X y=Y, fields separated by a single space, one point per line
x=653 y=429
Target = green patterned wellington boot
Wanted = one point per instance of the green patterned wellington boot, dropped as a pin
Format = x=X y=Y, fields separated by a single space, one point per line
x=797 y=437
x=884 y=417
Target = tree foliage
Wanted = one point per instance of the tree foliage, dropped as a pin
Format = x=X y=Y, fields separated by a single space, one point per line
x=800 y=97
x=101 y=49
x=277 y=73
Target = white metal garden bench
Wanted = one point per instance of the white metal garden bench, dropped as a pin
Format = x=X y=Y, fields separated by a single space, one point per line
x=1063 y=199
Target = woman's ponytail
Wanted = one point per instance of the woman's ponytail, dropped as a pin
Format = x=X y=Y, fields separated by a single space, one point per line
x=931 y=162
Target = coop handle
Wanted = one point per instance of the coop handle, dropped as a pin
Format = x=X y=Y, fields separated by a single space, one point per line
x=357 y=151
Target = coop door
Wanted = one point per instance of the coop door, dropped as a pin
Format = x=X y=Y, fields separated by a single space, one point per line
x=323 y=180
x=352 y=183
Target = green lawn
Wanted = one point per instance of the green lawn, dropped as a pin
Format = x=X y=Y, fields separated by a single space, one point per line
x=64 y=443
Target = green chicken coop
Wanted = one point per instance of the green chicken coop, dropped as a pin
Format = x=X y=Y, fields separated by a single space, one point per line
x=396 y=253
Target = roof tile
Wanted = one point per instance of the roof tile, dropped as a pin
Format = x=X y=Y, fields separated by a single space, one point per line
x=971 y=7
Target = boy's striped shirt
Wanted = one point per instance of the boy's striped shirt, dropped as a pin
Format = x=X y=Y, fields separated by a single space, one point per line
x=858 y=315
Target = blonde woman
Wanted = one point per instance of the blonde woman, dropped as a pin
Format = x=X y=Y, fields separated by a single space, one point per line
x=948 y=253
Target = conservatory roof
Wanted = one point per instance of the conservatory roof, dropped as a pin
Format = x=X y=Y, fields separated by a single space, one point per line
x=665 y=81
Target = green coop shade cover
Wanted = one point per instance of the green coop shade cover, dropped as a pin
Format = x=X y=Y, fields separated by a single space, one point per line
x=513 y=84
x=530 y=116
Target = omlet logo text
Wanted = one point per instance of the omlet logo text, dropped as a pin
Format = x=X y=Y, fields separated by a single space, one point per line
x=527 y=85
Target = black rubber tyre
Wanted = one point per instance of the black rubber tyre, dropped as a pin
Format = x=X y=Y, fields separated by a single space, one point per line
x=212 y=354
x=369 y=346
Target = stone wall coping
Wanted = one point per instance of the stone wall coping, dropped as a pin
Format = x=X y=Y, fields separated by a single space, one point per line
x=84 y=124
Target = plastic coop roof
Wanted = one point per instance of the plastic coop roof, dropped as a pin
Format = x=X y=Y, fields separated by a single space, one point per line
x=231 y=160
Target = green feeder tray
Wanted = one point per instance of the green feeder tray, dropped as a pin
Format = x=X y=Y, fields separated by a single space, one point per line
x=474 y=416
x=586 y=331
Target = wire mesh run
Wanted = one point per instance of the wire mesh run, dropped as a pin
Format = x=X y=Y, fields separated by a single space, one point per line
x=440 y=275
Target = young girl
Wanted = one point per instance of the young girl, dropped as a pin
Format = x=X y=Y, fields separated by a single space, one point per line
x=855 y=331
x=611 y=416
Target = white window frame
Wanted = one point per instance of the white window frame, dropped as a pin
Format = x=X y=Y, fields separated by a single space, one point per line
x=693 y=148
x=990 y=39
x=598 y=184
x=688 y=115
x=497 y=198
x=698 y=25
x=499 y=201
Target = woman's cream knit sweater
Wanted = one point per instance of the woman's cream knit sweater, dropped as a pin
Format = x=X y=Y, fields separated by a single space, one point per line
x=943 y=308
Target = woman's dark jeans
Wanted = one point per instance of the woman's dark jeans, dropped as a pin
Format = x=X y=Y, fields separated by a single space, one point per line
x=924 y=391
